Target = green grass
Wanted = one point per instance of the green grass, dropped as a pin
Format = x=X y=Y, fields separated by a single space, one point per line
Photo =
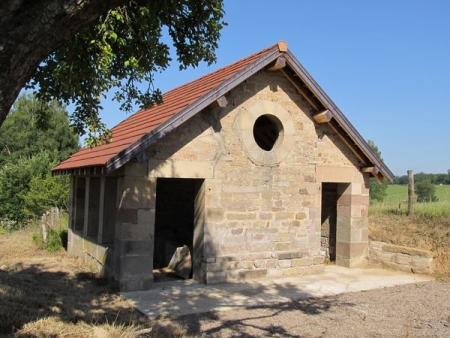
x=397 y=197
x=399 y=193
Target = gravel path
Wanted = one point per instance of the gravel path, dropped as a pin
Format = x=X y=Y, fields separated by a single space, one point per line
x=412 y=310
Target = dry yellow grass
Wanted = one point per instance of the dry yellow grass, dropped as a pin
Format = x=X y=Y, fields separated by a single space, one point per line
x=46 y=294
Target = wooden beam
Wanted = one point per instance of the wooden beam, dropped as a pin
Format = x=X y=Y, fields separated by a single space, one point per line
x=282 y=46
x=323 y=117
x=346 y=141
x=101 y=211
x=371 y=170
x=86 y=206
x=300 y=90
x=221 y=102
x=279 y=64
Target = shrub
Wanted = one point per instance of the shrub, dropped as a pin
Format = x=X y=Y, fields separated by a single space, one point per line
x=56 y=240
x=426 y=191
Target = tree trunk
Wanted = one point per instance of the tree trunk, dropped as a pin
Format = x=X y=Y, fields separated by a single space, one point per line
x=31 y=30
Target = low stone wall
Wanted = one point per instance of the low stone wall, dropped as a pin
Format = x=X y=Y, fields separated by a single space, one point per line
x=400 y=258
x=98 y=257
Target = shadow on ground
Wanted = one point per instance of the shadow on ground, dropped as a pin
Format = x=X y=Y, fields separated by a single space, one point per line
x=29 y=293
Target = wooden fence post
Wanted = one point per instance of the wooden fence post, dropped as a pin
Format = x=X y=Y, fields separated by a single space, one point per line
x=44 y=227
x=410 y=193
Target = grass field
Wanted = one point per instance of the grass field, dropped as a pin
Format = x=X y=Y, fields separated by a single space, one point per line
x=399 y=194
x=396 y=199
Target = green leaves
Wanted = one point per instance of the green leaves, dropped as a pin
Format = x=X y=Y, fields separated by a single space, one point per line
x=35 y=137
x=377 y=190
x=122 y=50
x=35 y=126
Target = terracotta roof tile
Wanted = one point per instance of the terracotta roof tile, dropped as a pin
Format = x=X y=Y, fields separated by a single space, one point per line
x=146 y=120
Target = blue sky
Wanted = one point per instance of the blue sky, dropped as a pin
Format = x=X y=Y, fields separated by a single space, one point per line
x=386 y=64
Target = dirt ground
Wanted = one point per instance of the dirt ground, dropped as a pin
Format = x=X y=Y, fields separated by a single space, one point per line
x=421 y=310
x=52 y=295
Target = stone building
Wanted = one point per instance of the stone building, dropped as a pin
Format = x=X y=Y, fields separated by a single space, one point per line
x=252 y=167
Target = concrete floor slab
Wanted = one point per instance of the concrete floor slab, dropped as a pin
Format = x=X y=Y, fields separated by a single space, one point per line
x=178 y=298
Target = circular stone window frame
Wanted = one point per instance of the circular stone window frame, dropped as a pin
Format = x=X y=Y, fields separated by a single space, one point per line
x=283 y=145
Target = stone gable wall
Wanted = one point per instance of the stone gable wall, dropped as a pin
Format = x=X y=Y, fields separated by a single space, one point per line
x=262 y=213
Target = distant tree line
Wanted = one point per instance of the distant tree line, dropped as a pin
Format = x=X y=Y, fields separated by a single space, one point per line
x=432 y=178
x=35 y=137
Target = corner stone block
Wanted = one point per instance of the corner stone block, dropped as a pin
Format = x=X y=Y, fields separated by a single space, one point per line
x=136 y=266
x=351 y=250
x=146 y=216
x=137 y=192
x=214 y=214
x=127 y=216
x=136 y=284
x=135 y=248
x=136 y=169
x=127 y=231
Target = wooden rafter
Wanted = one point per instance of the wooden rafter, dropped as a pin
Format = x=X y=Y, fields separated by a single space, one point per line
x=279 y=64
x=372 y=170
x=300 y=90
x=349 y=144
x=323 y=117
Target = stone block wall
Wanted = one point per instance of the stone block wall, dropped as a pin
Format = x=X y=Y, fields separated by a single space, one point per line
x=400 y=258
x=257 y=213
x=98 y=257
x=262 y=209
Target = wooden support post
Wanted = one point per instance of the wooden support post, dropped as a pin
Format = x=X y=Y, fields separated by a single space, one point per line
x=323 y=117
x=279 y=64
x=86 y=207
x=410 y=193
x=372 y=170
x=101 y=211
x=221 y=102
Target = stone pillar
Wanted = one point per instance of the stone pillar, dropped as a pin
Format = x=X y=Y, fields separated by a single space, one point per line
x=352 y=224
x=135 y=225
x=199 y=274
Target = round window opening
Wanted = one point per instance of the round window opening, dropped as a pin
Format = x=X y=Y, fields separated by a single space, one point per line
x=267 y=131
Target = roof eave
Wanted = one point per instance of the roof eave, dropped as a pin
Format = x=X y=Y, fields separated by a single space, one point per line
x=80 y=171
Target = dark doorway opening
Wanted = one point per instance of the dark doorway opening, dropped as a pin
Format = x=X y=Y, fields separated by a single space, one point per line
x=329 y=220
x=178 y=224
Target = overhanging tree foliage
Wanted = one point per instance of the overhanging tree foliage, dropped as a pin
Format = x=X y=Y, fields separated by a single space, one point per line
x=75 y=51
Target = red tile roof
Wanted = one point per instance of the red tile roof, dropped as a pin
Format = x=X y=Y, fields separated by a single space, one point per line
x=132 y=136
x=146 y=120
